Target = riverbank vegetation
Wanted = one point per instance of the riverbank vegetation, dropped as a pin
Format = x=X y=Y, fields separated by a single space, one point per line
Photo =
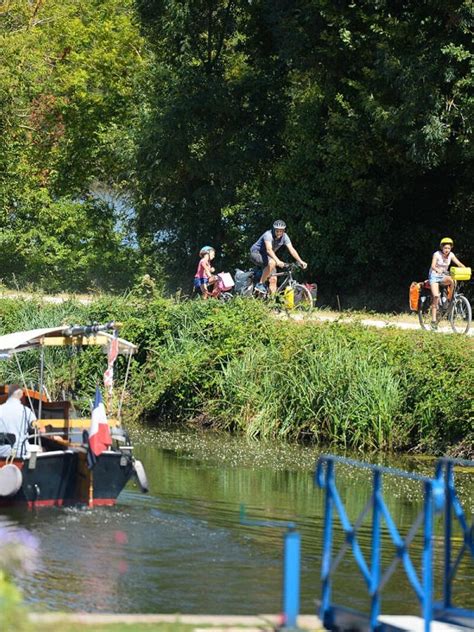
x=237 y=368
x=132 y=132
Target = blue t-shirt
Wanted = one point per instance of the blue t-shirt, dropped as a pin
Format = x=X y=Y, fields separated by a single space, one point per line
x=276 y=243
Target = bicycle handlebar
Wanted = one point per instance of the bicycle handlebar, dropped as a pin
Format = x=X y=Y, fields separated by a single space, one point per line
x=291 y=266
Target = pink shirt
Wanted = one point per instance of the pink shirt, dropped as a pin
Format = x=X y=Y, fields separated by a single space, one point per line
x=201 y=272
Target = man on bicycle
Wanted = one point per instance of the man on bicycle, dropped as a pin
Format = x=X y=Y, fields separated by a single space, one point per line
x=263 y=254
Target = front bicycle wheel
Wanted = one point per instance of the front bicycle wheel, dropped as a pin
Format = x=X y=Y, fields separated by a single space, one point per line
x=302 y=298
x=461 y=315
x=424 y=312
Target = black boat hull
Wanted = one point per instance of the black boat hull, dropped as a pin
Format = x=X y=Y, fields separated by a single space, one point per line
x=62 y=478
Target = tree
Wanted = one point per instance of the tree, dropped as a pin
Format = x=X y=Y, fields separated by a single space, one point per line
x=350 y=120
x=212 y=130
x=69 y=95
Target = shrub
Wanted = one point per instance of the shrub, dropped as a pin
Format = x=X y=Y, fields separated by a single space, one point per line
x=236 y=367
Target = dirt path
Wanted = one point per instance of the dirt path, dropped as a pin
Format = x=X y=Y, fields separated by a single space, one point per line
x=85 y=299
x=403 y=321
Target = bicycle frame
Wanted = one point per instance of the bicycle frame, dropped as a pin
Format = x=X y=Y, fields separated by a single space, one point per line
x=287 y=279
x=446 y=308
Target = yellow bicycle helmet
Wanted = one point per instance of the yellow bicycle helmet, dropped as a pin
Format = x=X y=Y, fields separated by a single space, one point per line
x=446 y=240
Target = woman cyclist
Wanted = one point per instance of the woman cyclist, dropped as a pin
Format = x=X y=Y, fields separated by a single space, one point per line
x=438 y=274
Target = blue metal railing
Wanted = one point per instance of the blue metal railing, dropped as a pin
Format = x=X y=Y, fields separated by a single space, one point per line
x=444 y=471
x=291 y=566
x=434 y=498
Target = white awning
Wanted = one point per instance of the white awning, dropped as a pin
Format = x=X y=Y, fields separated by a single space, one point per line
x=58 y=337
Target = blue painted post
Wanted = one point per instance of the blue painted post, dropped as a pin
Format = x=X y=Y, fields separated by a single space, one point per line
x=325 y=613
x=428 y=557
x=449 y=482
x=375 y=553
x=291 y=577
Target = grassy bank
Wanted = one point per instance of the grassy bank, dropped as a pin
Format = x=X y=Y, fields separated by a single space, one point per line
x=237 y=368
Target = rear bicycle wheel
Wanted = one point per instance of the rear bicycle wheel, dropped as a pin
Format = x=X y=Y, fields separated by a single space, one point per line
x=424 y=312
x=247 y=291
x=225 y=296
x=461 y=315
x=303 y=298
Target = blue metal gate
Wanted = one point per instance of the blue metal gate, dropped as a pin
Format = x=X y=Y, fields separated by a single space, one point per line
x=453 y=509
x=438 y=494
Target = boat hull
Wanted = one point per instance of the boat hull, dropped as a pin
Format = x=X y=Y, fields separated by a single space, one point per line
x=62 y=478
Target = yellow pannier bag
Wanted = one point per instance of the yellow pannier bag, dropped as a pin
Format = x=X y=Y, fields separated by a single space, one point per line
x=460 y=274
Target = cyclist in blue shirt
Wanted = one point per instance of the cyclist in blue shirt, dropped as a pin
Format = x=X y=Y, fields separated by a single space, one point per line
x=263 y=254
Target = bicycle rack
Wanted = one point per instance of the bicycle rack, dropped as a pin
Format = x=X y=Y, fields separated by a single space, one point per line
x=375 y=579
x=291 y=566
x=444 y=471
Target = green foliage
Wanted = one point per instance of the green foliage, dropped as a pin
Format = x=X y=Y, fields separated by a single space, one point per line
x=350 y=120
x=69 y=99
x=134 y=131
x=211 y=129
x=234 y=366
x=13 y=615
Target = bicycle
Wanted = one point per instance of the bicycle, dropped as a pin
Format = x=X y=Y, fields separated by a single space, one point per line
x=302 y=298
x=457 y=309
x=216 y=290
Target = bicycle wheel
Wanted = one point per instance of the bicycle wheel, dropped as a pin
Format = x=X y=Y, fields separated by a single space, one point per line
x=225 y=296
x=303 y=298
x=424 y=311
x=461 y=315
x=247 y=291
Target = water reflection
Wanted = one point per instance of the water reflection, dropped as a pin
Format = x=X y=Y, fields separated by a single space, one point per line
x=181 y=548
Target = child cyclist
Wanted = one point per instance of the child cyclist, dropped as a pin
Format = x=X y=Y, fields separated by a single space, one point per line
x=204 y=277
x=440 y=263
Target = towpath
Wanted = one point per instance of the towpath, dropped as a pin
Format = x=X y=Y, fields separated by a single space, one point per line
x=380 y=321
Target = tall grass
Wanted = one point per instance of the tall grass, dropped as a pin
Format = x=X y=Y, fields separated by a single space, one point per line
x=235 y=367
x=323 y=390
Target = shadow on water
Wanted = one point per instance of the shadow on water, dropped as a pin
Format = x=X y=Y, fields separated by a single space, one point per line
x=181 y=548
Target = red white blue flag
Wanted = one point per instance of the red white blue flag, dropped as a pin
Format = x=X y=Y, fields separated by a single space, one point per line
x=99 y=433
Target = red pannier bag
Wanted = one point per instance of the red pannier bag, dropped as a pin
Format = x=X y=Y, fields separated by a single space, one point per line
x=414 y=295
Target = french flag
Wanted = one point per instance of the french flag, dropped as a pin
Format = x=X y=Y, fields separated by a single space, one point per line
x=99 y=433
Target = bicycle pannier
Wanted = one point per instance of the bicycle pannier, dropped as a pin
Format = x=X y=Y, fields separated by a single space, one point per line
x=415 y=289
x=225 y=281
x=313 y=289
x=242 y=280
x=460 y=274
x=289 y=297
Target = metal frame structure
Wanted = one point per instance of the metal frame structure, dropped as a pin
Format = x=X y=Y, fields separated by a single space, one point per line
x=291 y=566
x=444 y=471
x=373 y=575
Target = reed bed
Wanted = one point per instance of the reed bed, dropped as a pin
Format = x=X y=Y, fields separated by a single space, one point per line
x=235 y=367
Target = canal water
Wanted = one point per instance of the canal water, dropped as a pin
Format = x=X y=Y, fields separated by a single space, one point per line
x=181 y=548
